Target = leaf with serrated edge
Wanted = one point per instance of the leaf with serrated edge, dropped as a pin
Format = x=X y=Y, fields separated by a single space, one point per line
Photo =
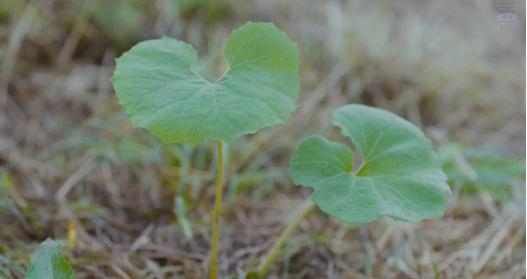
x=399 y=177
x=48 y=263
x=159 y=91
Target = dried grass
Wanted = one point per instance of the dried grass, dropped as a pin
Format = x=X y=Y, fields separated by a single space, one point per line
x=72 y=165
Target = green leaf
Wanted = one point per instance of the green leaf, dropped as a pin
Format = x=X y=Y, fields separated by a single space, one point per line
x=158 y=89
x=48 y=263
x=399 y=176
x=181 y=211
x=496 y=171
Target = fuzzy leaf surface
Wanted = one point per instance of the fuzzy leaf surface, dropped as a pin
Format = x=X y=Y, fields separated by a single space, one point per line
x=399 y=176
x=160 y=92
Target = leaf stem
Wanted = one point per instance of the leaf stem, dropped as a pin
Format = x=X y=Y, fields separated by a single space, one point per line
x=213 y=269
x=271 y=255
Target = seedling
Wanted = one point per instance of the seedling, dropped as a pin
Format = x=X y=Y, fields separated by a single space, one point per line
x=160 y=92
x=399 y=176
x=47 y=262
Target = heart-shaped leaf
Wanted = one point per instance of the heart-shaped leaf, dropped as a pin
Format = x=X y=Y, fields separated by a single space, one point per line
x=399 y=176
x=160 y=92
x=48 y=263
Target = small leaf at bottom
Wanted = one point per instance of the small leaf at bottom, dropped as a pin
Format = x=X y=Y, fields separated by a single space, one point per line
x=47 y=262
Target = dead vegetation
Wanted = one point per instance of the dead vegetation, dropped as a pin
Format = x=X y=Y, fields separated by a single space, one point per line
x=125 y=206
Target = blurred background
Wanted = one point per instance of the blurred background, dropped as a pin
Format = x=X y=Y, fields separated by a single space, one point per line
x=126 y=206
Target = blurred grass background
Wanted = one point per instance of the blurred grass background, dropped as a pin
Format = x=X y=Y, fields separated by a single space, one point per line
x=72 y=167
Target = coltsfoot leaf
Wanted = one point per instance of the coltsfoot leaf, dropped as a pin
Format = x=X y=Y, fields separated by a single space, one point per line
x=159 y=91
x=47 y=262
x=399 y=176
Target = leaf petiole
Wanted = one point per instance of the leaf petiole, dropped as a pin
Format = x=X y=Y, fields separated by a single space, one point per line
x=272 y=254
x=216 y=215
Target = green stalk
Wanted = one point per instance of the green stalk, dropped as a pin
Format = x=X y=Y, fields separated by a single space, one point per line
x=213 y=269
x=271 y=255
